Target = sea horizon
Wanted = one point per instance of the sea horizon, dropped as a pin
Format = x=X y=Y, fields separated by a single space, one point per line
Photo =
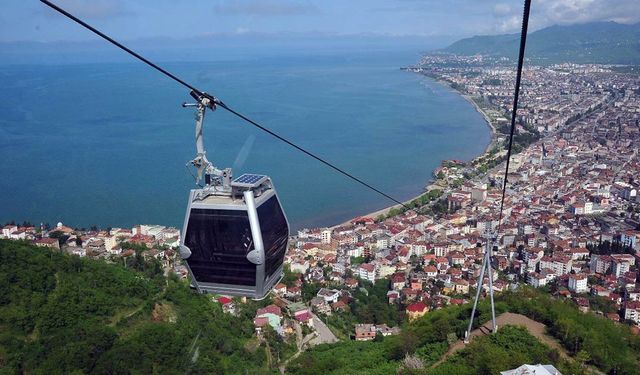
x=106 y=143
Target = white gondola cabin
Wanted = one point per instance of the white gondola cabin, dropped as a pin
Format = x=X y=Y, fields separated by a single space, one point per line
x=235 y=232
x=235 y=243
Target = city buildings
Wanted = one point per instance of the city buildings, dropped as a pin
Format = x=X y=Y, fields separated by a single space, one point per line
x=571 y=220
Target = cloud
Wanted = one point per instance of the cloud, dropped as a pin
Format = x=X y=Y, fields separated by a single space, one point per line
x=545 y=13
x=265 y=8
x=91 y=9
x=509 y=25
x=581 y=11
x=506 y=18
x=502 y=9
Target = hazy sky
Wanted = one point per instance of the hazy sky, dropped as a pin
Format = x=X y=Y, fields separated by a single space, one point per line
x=126 y=20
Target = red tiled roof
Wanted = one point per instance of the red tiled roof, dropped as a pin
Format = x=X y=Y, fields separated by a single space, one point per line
x=362 y=220
x=351 y=281
x=271 y=309
x=303 y=317
x=293 y=290
x=417 y=307
x=338 y=305
x=368 y=267
x=260 y=322
x=635 y=305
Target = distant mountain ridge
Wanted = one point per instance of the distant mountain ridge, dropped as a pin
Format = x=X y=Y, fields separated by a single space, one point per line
x=596 y=42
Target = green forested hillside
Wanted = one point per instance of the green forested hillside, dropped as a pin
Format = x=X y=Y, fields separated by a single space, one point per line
x=589 y=340
x=609 y=346
x=597 y=42
x=509 y=348
x=423 y=343
x=63 y=314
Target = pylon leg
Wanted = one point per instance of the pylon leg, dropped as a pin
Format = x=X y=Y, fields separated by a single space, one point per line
x=490 y=272
x=467 y=334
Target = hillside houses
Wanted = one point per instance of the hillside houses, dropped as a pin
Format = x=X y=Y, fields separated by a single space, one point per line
x=570 y=224
x=101 y=244
x=571 y=216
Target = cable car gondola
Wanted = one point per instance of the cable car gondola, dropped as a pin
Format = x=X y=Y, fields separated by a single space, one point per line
x=235 y=232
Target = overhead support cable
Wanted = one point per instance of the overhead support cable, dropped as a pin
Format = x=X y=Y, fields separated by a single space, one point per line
x=516 y=94
x=492 y=236
x=215 y=101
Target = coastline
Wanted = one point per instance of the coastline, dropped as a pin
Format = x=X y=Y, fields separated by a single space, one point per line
x=432 y=184
x=486 y=119
x=475 y=105
x=414 y=94
x=135 y=215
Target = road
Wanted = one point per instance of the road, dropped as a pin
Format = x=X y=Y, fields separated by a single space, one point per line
x=322 y=335
x=325 y=336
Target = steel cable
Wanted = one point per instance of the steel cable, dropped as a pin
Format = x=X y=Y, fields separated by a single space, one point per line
x=218 y=102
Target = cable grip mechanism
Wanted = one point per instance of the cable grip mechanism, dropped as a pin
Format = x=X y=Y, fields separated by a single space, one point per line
x=213 y=177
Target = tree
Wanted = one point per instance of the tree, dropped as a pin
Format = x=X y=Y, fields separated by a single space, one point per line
x=451 y=338
x=309 y=290
x=91 y=301
x=582 y=357
x=289 y=277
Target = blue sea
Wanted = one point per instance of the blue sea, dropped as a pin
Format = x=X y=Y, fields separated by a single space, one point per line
x=106 y=143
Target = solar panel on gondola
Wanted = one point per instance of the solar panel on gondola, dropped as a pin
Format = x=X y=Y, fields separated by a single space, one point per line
x=235 y=231
x=249 y=179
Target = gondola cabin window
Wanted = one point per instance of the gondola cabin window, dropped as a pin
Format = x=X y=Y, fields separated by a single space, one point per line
x=274 y=229
x=219 y=241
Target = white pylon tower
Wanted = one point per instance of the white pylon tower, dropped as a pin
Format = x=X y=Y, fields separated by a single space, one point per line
x=491 y=239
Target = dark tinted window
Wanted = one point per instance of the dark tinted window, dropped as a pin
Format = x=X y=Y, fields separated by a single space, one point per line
x=275 y=234
x=219 y=241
